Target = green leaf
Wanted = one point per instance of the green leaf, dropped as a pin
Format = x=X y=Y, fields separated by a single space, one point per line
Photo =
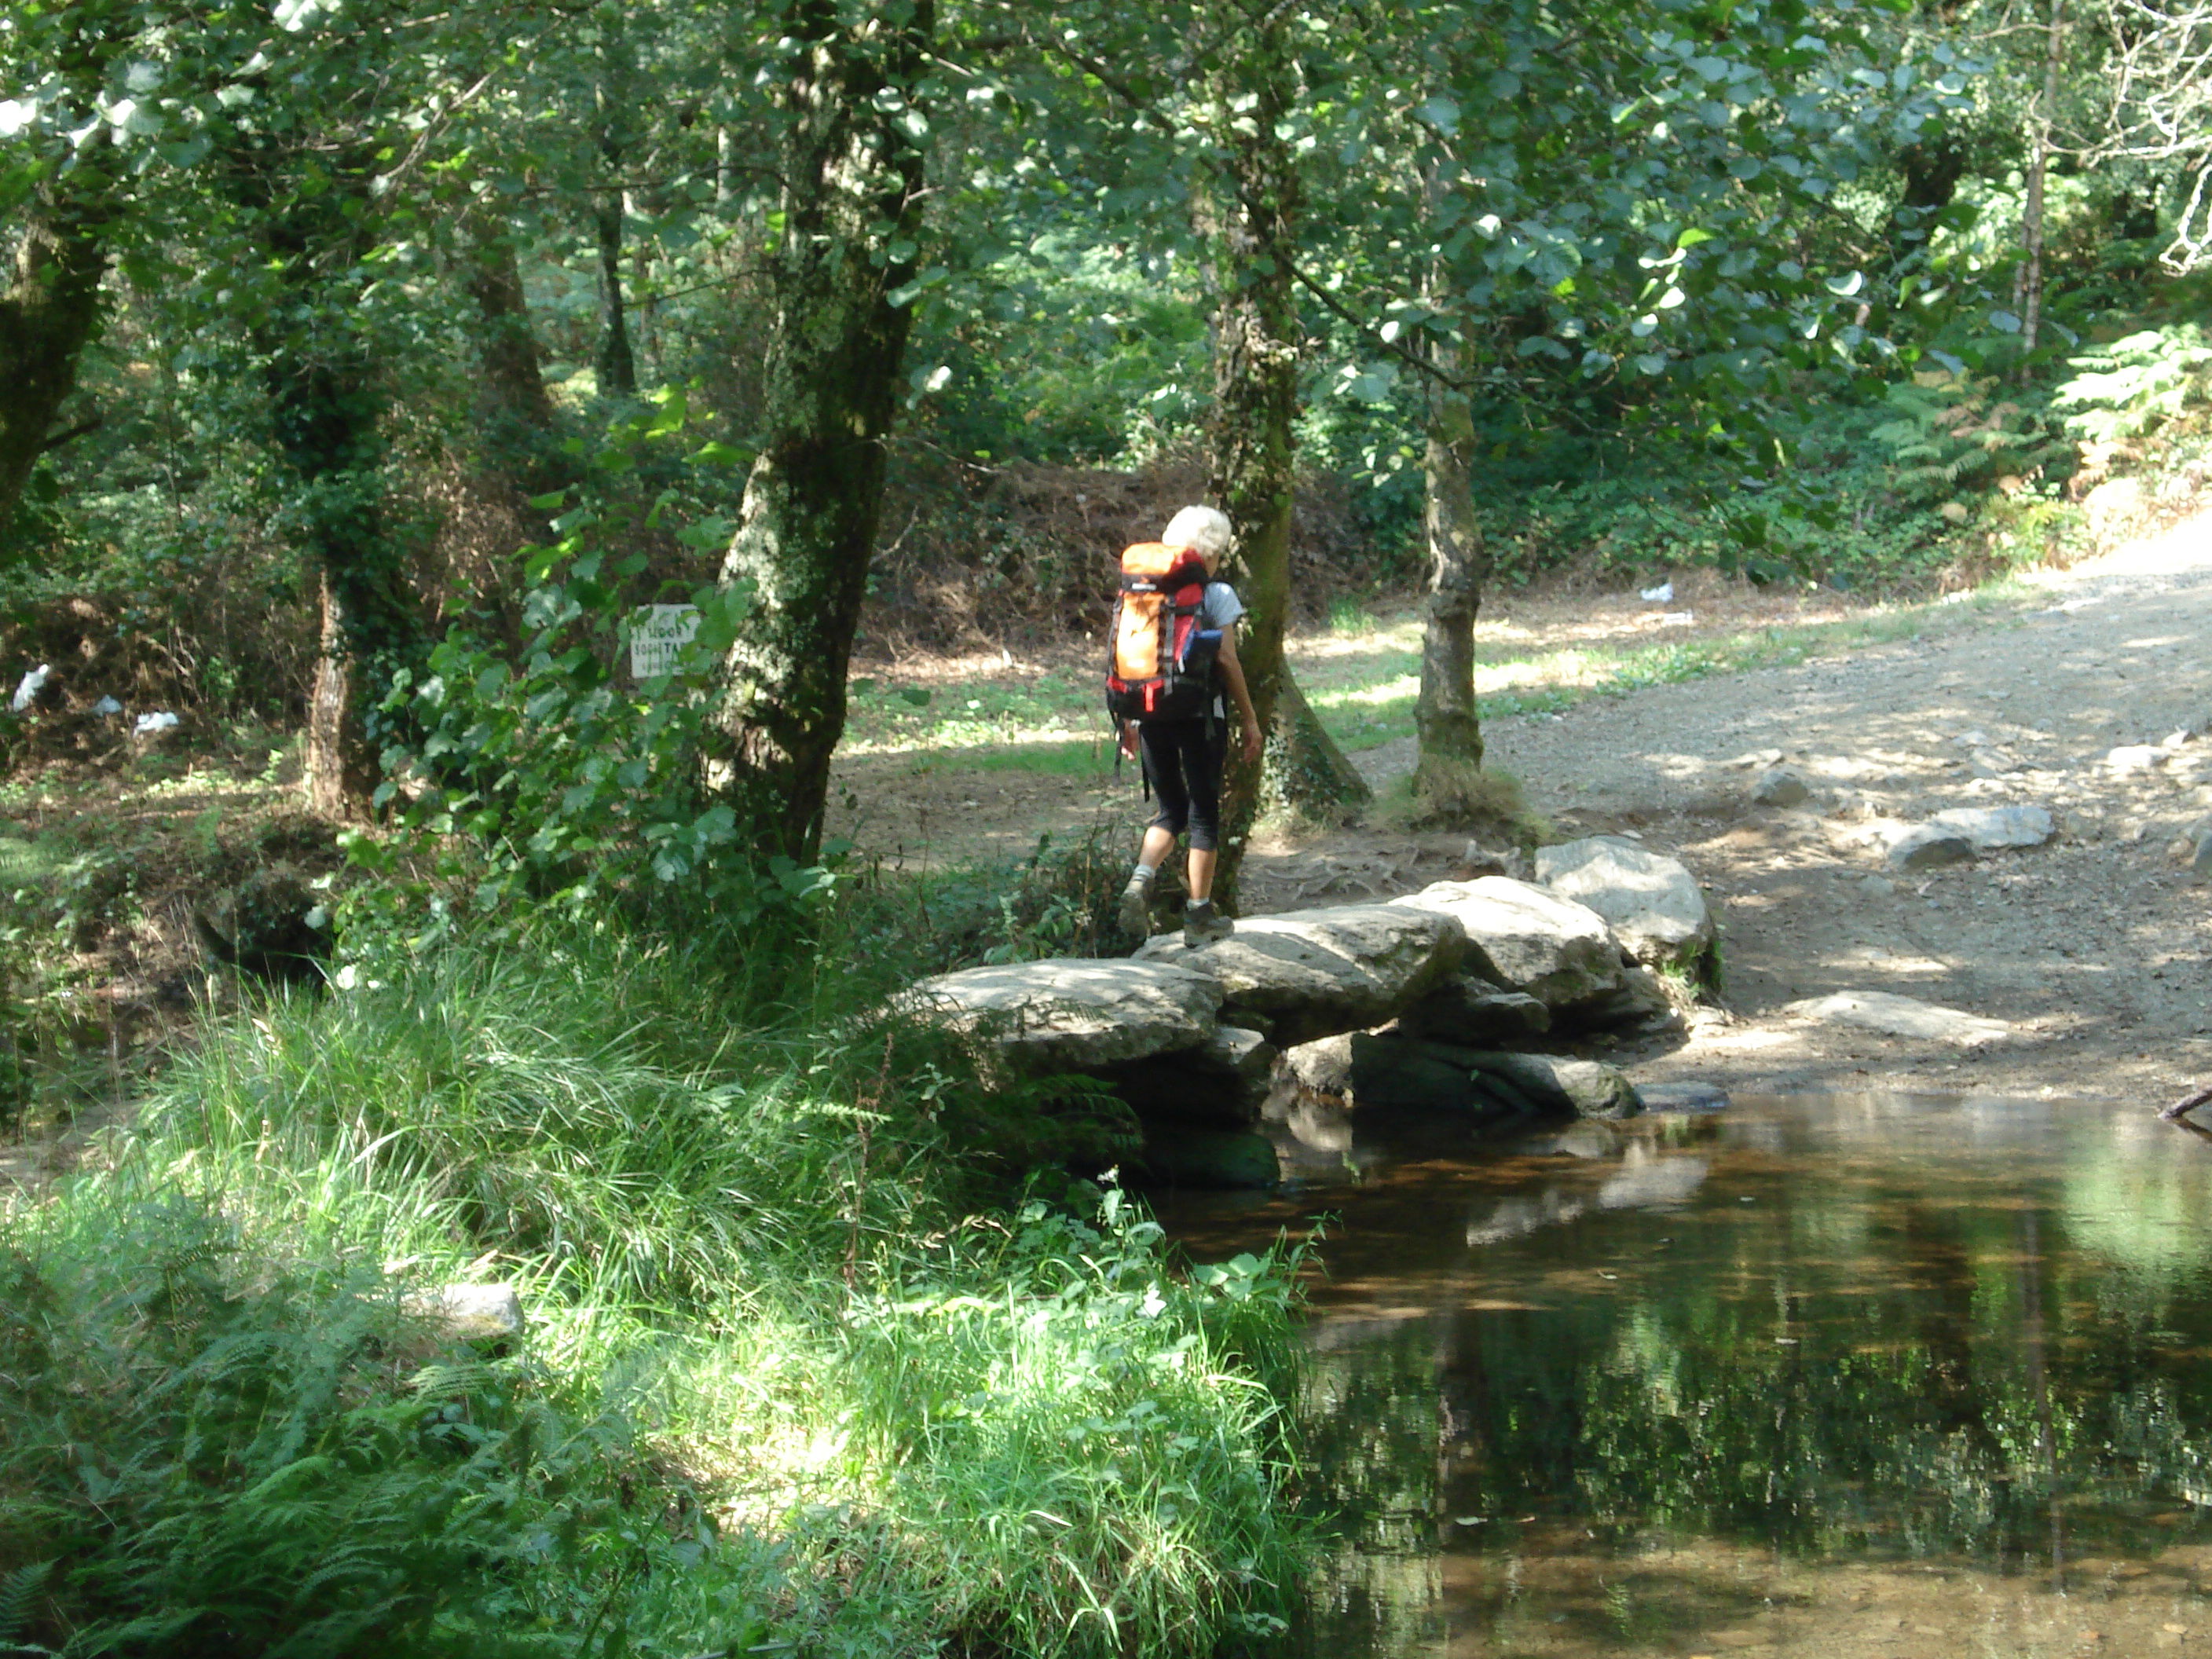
x=916 y=695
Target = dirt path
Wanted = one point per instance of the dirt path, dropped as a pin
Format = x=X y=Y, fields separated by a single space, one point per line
x=2097 y=949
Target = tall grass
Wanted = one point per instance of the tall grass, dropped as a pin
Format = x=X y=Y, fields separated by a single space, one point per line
x=786 y=1380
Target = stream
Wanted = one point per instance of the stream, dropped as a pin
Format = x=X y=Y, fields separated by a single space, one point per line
x=1854 y=1375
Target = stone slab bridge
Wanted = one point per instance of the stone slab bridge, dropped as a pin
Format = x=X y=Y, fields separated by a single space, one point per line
x=1239 y=1057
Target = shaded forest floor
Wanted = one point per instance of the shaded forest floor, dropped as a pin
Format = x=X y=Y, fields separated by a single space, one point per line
x=1621 y=717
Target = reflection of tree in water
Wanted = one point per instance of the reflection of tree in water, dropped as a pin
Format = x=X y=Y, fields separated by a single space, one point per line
x=1882 y=1399
x=1845 y=1371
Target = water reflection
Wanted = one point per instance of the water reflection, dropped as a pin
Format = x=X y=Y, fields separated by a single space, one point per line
x=1855 y=1375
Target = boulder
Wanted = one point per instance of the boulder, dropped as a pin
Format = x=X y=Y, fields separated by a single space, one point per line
x=1221 y=1082
x=1930 y=847
x=470 y=1313
x=1323 y=1065
x=1073 y=1013
x=1639 y=1003
x=1993 y=829
x=1408 y=1074
x=1654 y=904
x=1525 y=938
x=1213 y=1158
x=1404 y=1074
x=1905 y=1017
x=1469 y=1011
x=1315 y=973
x=1587 y=1088
x=1780 y=786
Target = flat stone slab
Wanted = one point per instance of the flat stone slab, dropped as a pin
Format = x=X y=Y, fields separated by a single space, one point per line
x=1476 y=1013
x=1525 y=938
x=1654 y=903
x=1313 y=973
x=1220 y=1083
x=1905 y=1017
x=1073 y=1013
x=1993 y=829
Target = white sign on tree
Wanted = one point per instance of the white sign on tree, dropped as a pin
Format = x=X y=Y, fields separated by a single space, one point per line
x=658 y=635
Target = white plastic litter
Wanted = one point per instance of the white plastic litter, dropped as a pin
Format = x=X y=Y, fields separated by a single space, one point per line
x=29 y=687
x=108 y=705
x=147 y=723
x=1678 y=618
x=1662 y=594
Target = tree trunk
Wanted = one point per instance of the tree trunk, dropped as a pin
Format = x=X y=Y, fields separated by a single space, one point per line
x=1307 y=772
x=2046 y=111
x=1256 y=384
x=47 y=315
x=615 y=366
x=325 y=406
x=516 y=423
x=1446 y=717
x=852 y=210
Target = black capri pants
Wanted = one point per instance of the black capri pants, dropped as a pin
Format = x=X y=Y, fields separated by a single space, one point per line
x=1183 y=762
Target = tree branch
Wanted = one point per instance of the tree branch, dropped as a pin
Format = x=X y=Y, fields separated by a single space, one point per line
x=1372 y=332
x=72 y=434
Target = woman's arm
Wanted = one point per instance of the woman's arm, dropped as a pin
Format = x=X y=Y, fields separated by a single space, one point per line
x=1232 y=677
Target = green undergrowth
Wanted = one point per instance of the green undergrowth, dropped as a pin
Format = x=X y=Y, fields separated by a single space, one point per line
x=804 y=1371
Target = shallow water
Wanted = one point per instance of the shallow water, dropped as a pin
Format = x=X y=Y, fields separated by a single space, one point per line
x=1855 y=1374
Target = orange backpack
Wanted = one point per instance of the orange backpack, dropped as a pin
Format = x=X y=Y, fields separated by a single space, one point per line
x=1161 y=663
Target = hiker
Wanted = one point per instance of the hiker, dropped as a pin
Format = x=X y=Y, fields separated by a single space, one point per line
x=1174 y=656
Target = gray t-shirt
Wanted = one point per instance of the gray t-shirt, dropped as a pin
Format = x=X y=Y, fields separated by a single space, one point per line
x=1219 y=609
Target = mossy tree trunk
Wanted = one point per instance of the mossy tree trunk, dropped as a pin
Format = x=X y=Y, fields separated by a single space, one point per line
x=852 y=168
x=1308 y=772
x=1255 y=208
x=516 y=423
x=1447 y=720
x=326 y=406
x=48 y=313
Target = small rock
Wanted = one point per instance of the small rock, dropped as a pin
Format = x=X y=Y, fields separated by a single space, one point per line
x=1905 y=1017
x=1991 y=828
x=1692 y=1097
x=2200 y=864
x=1780 y=785
x=2131 y=758
x=1930 y=847
x=1878 y=887
x=1653 y=901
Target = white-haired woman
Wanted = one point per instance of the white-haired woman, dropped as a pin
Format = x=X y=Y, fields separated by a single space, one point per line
x=1183 y=759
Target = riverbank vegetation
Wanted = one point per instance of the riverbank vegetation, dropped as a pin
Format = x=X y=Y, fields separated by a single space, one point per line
x=389 y=900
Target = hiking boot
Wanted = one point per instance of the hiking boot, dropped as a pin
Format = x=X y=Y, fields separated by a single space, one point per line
x=1136 y=912
x=1202 y=924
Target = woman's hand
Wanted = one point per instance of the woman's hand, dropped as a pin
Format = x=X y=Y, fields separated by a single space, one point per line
x=1253 y=743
